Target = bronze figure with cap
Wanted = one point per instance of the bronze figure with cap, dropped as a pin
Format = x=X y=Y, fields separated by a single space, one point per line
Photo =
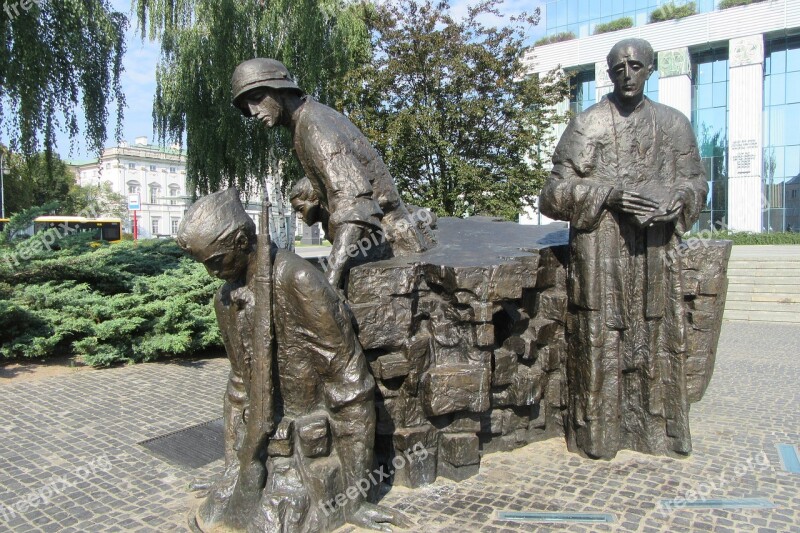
x=299 y=414
x=347 y=174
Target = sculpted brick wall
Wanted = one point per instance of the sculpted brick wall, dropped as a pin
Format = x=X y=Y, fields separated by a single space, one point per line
x=467 y=341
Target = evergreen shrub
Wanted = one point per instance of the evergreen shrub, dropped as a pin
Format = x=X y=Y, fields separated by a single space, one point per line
x=125 y=302
x=671 y=12
x=725 y=4
x=555 y=38
x=614 y=25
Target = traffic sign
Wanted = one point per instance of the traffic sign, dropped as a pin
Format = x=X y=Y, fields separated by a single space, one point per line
x=134 y=203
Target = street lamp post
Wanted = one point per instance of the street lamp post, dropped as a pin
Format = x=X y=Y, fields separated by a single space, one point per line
x=2 y=186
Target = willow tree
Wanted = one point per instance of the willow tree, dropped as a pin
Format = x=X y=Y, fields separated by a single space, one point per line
x=202 y=41
x=58 y=60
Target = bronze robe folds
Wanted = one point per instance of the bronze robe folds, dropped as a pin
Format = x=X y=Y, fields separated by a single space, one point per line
x=626 y=326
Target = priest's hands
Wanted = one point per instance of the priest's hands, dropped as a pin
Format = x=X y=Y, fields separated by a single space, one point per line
x=646 y=210
x=674 y=205
x=630 y=202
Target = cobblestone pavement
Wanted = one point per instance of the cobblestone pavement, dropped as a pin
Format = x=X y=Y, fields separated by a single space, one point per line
x=71 y=441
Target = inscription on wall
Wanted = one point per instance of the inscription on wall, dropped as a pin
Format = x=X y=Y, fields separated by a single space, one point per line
x=744 y=154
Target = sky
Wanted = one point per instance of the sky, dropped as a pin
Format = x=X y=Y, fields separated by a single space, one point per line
x=139 y=83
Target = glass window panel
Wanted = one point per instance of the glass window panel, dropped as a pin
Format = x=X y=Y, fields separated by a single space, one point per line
x=629 y=5
x=720 y=96
x=767 y=64
x=776 y=121
x=705 y=121
x=584 y=11
x=707 y=163
x=594 y=9
x=641 y=4
x=776 y=220
x=550 y=15
x=607 y=7
x=778 y=63
x=704 y=222
x=561 y=13
x=767 y=89
x=584 y=30
x=777 y=93
x=719 y=195
x=618 y=7
x=792 y=161
x=640 y=19
x=719 y=119
x=776 y=155
x=792 y=129
x=572 y=11
x=793 y=88
x=720 y=70
x=793 y=60
x=703 y=75
x=704 y=96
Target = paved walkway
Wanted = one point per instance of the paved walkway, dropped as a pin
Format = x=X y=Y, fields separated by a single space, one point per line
x=69 y=459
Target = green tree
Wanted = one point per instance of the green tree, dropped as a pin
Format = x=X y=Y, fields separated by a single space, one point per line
x=449 y=105
x=37 y=180
x=202 y=41
x=57 y=58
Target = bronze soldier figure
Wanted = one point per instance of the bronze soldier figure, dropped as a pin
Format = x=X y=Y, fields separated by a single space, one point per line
x=348 y=175
x=628 y=177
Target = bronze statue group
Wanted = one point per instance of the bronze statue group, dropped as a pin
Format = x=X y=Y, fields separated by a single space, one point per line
x=299 y=407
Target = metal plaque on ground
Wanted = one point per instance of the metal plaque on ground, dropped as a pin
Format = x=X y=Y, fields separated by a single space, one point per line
x=192 y=447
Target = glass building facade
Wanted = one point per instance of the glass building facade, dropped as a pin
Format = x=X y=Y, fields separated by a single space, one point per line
x=699 y=64
x=781 y=202
x=581 y=16
x=710 y=121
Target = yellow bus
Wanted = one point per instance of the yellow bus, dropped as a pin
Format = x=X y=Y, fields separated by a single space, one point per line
x=102 y=229
x=3 y=222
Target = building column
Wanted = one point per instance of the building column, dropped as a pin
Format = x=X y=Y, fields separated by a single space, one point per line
x=675 y=81
x=745 y=133
x=603 y=84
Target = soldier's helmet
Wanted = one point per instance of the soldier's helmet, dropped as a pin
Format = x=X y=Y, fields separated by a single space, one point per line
x=260 y=72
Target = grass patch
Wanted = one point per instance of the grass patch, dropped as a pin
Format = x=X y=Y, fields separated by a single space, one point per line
x=748 y=238
x=672 y=12
x=556 y=38
x=726 y=4
x=618 y=24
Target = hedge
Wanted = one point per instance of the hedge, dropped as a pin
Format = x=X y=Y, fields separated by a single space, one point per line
x=671 y=12
x=614 y=25
x=556 y=38
x=105 y=304
x=744 y=237
x=725 y=4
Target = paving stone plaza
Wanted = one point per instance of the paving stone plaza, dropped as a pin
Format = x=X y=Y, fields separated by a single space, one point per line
x=70 y=458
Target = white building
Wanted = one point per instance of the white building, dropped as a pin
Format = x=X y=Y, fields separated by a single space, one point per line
x=158 y=176
x=734 y=72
